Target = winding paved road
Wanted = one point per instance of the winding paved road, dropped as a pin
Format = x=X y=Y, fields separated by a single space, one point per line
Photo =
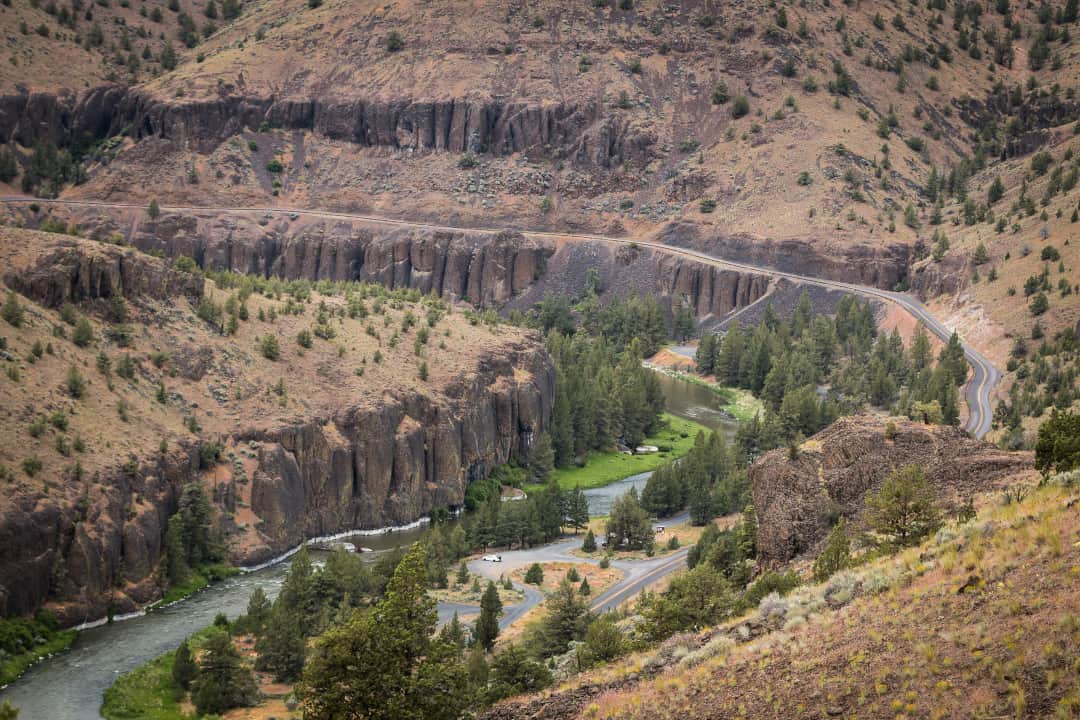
x=637 y=574
x=979 y=389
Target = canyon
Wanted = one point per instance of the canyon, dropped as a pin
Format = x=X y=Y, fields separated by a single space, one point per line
x=344 y=452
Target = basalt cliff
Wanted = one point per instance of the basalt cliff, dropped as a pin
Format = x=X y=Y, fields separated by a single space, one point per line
x=342 y=435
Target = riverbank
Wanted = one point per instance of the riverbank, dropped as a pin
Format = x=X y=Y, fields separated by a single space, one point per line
x=149 y=692
x=675 y=440
x=739 y=403
x=14 y=665
x=198 y=580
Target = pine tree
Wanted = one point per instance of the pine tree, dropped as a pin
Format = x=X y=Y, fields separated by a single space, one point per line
x=258 y=611
x=535 y=574
x=905 y=508
x=12 y=311
x=541 y=459
x=408 y=673
x=487 y=625
x=223 y=681
x=628 y=525
x=9 y=166
x=836 y=555
x=566 y=620
x=705 y=355
x=920 y=348
x=584 y=588
x=177 y=569
x=589 y=544
x=578 y=510
x=83 y=334
x=184 y=670
x=453 y=632
x=462 y=573
x=281 y=648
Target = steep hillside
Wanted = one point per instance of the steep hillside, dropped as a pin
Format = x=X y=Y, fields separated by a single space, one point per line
x=1004 y=269
x=301 y=412
x=981 y=620
x=57 y=47
x=741 y=123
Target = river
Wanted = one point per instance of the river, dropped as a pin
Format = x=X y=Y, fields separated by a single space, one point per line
x=70 y=685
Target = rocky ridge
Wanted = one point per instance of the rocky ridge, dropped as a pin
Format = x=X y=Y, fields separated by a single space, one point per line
x=835 y=469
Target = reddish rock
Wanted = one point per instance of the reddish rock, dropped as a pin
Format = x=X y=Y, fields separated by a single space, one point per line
x=836 y=468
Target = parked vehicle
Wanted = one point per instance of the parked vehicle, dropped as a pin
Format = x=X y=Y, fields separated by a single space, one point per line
x=492 y=558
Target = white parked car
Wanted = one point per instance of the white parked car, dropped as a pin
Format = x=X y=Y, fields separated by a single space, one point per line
x=492 y=558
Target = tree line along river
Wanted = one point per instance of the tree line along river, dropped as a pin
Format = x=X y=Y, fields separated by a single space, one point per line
x=70 y=685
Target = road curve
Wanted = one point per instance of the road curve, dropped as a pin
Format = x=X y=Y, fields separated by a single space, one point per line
x=984 y=378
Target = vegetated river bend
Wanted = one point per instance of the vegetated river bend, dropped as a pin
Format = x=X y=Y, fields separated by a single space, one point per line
x=70 y=685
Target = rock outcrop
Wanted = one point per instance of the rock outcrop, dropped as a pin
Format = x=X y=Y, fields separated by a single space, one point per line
x=501 y=269
x=377 y=464
x=73 y=273
x=84 y=533
x=883 y=265
x=581 y=134
x=835 y=469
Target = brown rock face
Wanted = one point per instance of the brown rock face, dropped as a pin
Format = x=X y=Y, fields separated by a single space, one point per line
x=581 y=134
x=71 y=274
x=837 y=468
x=489 y=270
x=371 y=465
x=876 y=264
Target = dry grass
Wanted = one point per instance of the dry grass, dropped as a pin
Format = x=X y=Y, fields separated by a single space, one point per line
x=981 y=621
x=600 y=579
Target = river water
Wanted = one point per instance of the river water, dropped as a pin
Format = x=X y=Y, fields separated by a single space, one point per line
x=70 y=685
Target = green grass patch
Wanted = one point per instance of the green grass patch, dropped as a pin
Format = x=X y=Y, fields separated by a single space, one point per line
x=16 y=665
x=145 y=693
x=148 y=692
x=605 y=468
x=198 y=580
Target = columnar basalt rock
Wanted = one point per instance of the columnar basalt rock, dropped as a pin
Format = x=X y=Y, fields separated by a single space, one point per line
x=582 y=134
x=89 y=542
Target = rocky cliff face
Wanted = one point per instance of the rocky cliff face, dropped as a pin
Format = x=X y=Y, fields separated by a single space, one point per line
x=835 y=469
x=487 y=269
x=377 y=464
x=86 y=538
x=71 y=272
x=883 y=265
x=581 y=134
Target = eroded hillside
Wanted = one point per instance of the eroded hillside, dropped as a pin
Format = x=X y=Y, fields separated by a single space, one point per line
x=302 y=412
x=821 y=123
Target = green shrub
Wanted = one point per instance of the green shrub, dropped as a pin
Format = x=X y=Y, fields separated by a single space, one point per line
x=268 y=347
x=12 y=311
x=740 y=107
x=535 y=574
x=83 y=334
